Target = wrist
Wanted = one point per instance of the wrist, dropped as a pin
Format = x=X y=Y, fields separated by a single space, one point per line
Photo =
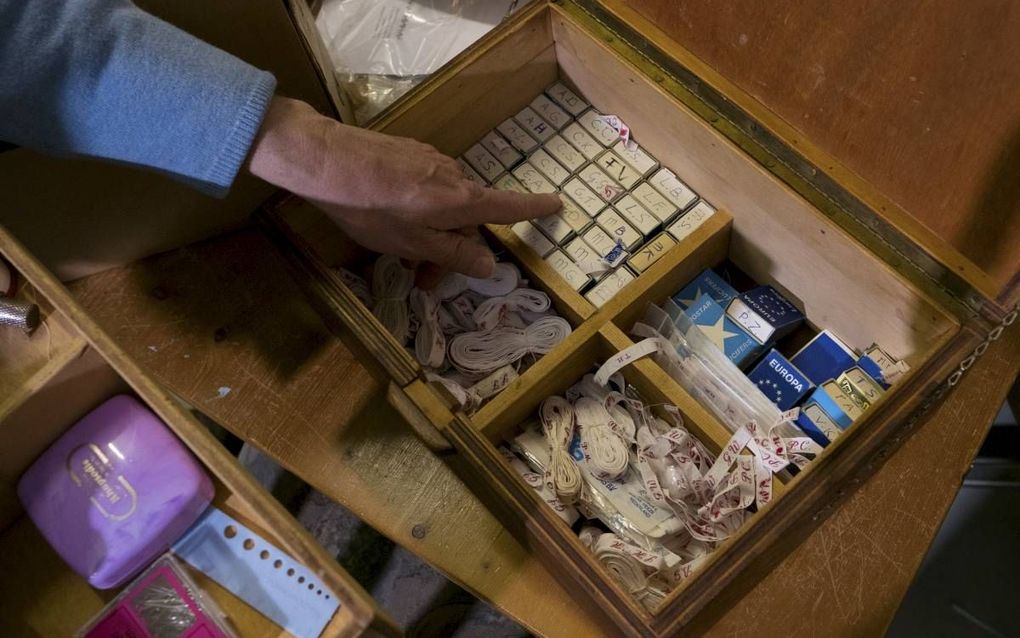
x=288 y=149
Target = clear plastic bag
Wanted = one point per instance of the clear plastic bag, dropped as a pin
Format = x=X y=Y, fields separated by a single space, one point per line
x=707 y=374
x=382 y=48
x=164 y=602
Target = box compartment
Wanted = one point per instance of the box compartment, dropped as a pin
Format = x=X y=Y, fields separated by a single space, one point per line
x=763 y=228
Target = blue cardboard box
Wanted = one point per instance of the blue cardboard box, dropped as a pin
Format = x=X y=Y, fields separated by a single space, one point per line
x=824 y=357
x=817 y=423
x=829 y=408
x=765 y=314
x=844 y=401
x=873 y=370
x=711 y=319
x=707 y=283
x=780 y=380
x=805 y=423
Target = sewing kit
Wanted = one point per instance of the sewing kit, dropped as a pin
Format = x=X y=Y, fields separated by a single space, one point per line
x=114 y=491
x=684 y=255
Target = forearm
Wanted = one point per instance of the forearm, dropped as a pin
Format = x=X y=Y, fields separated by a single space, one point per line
x=101 y=78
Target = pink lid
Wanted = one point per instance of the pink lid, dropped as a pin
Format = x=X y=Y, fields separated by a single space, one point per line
x=114 y=492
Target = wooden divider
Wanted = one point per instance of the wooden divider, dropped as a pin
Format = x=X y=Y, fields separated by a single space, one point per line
x=567 y=301
x=661 y=388
x=28 y=361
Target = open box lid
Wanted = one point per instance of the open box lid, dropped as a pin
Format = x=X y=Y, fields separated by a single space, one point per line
x=896 y=121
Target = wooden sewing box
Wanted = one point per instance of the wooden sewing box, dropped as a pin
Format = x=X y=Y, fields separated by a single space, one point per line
x=790 y=215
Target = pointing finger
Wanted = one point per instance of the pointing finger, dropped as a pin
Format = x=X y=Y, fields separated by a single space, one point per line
x=491 y=206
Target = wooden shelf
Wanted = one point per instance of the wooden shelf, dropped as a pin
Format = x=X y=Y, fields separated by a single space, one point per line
x=42 y=596
x=29 y=361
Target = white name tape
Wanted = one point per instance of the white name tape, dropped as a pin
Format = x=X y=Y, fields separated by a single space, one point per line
x=505 y=278
x=562 y=475
x=485 y=352
x=391 y=285
x=605 y=450
x=627 y=356
x=490 y=313
x=615 y=123
x=429 y=341
x=626 y=495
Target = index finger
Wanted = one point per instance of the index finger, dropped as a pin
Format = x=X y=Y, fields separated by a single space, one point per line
x=508 y=207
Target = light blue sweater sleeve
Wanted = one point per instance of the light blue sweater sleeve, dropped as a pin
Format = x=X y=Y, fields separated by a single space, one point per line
x=102 y=78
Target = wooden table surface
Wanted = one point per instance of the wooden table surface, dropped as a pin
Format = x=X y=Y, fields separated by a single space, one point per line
x=221 y=324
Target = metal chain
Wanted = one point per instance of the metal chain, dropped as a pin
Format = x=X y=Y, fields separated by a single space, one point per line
x=993 y=335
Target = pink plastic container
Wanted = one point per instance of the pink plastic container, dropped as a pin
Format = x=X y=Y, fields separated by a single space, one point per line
x=114 y=492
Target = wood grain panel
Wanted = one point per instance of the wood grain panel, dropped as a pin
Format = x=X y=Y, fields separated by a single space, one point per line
x=777 y=237
x=920 y=98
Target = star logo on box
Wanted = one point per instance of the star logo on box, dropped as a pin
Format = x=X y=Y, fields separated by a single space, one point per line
x=771 y=389
x=718 y=333
x=780 y=381
x=698 y=292
x=705 y=284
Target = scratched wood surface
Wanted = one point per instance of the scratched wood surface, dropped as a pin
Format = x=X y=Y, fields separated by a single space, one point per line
x=920 y=98
x=221 y=325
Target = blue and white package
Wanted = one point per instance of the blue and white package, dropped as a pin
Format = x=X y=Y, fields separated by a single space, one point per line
x=805 y=423
x=824 y=357
x=780 y=380
x=710 y=318
x=707 y=283
x=845 y=402
x=766 y=304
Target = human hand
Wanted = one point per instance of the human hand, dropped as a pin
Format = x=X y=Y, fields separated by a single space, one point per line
x=390 y=194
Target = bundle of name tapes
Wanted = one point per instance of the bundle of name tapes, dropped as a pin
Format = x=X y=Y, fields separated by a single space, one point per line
x=654 y=501
x=621 y=212
x=473 y=336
